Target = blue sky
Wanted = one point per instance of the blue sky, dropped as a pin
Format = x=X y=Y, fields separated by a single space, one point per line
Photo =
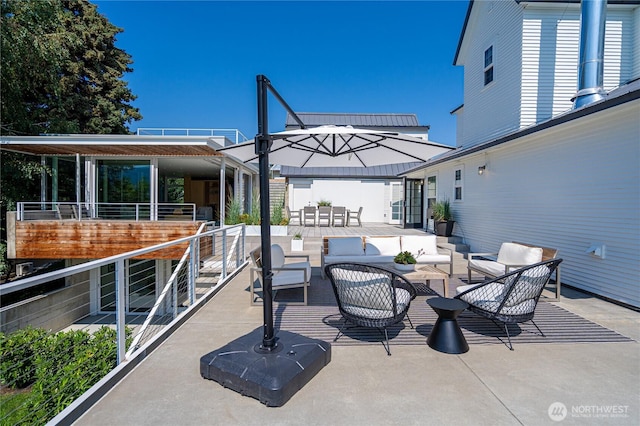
x=195 y=62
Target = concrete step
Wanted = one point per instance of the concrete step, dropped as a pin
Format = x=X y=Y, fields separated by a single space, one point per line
x=460 y=249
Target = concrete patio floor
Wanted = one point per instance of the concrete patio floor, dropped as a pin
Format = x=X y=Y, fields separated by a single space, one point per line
x=597 y=383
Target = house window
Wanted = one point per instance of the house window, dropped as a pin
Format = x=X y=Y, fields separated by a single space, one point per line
x=457 y=185
x=488 y=65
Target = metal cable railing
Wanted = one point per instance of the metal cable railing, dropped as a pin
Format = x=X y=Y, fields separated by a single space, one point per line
x=99 y=315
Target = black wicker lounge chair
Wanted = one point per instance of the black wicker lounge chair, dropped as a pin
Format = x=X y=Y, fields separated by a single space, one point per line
x=510 y=298
x=370 y=296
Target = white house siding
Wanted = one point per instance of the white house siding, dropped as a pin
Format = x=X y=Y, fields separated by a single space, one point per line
x=372 y=194
x=493 y=109
x=635 y=47
x=536 y=51
x=550 y=55
x=565 y=187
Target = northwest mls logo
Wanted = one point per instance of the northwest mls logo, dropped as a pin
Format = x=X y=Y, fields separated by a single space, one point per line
x=557 y=411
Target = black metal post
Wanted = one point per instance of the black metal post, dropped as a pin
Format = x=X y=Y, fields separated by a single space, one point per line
x=263 y=143
x=258 y=369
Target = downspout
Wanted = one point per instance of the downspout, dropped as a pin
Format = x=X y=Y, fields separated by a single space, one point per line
x=591 y=64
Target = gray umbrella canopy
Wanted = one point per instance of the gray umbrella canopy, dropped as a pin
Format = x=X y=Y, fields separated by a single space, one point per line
x=340 y=146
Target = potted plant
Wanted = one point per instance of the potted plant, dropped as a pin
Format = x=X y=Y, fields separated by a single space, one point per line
x=404 y=261
x=297 y=243
x=443 y=218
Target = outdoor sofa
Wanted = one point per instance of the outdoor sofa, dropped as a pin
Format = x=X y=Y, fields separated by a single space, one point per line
x=382 y=249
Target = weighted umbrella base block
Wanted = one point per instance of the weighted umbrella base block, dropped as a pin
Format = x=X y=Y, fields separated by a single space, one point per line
x=272 y=377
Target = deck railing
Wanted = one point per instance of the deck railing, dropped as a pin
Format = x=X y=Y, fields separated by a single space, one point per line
x=141 y=299
x=234 y=135
x=39 y=210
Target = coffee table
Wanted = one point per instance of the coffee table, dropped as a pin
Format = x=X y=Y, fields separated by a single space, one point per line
x=425 y=273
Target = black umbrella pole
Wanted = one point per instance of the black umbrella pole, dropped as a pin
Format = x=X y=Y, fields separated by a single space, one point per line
x=262 y=148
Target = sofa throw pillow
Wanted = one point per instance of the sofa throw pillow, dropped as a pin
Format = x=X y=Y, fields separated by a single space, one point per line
x=364 y=289
x=348 y=246
x=424 y=244
x=528 y=285
x=517 y=254
x=382 y=246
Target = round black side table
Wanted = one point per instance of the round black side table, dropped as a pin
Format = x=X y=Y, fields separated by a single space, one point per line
x=446 y=335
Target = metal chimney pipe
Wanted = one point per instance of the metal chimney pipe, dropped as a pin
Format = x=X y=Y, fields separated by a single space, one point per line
x=591 y=66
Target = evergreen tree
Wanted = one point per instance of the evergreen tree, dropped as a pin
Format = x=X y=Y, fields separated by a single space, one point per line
x=61 y=71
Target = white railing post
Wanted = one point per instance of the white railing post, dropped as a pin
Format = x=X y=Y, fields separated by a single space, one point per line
x=120 y=310
x=174 y=302
x=192 y=274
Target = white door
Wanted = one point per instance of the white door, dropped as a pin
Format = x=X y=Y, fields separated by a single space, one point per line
x=396 y=204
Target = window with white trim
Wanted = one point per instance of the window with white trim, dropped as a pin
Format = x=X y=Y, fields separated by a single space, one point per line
x=488 y=65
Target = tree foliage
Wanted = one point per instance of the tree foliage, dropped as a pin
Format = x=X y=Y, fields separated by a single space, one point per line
x=61 y=71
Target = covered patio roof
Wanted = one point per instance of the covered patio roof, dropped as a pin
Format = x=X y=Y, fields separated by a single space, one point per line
x=115 y=145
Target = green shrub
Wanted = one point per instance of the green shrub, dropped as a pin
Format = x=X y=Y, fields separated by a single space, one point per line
x=18 y=353
x=233 y=212
x=277 y=217
x=254 y=215
x=66 y=365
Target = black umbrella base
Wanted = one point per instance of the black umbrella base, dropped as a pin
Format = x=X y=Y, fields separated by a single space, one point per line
x=272 y=377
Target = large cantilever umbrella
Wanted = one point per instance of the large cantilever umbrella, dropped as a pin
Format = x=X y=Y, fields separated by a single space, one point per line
x=273 y=369
x=339 y=146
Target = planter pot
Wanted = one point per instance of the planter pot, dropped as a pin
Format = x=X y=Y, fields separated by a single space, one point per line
x=297 y=245
x=405 y=267
x=276 y=230
x=444 y=228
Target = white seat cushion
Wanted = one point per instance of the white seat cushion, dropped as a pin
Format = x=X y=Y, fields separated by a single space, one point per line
x=386 y=246
x=433 y=258
x=299 y=265
x=348 y=246
x=285 y=277
x=517 y=254
x=414 y=244
x=402 y=300
x=489 y=267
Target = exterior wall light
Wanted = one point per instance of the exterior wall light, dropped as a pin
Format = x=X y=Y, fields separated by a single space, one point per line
x=481 y=169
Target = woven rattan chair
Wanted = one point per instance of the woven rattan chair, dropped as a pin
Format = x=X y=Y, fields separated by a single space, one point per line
x=370 y=296
x=510 y=298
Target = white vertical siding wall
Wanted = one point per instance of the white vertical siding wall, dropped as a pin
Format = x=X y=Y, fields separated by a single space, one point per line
x=536 y=52
x=371 y=194
x=565 y=187
x=535 y=73
x=635 y=45
x=493 y=109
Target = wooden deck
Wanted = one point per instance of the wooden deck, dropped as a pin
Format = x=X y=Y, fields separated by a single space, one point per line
x=92 y=239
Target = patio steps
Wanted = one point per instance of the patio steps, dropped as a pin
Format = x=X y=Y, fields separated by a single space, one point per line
x=456 y=244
